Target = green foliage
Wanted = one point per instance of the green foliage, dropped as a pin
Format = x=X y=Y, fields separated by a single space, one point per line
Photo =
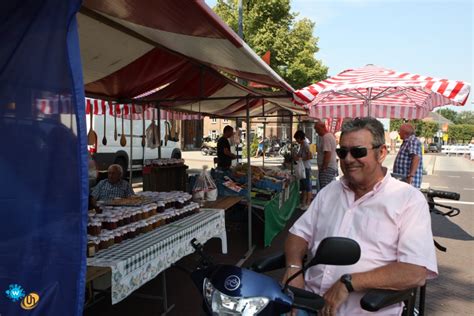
x=466 y=117
x=254 y=145
x=460 y=133
x=395 y=124
x=427 y=129
x=253 y=148
x=270 y=26
x=449 y=114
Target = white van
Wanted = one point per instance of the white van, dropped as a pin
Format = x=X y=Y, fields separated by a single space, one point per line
x=113 y=153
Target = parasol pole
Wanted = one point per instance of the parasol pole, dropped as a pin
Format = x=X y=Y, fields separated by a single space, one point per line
x=368 y=102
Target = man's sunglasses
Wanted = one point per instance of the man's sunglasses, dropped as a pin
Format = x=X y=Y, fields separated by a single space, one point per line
x=356 y=152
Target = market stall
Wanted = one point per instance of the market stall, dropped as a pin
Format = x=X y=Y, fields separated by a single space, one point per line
x=275 y=213
x=124 y=53
x=274 y=194
x=140 y=236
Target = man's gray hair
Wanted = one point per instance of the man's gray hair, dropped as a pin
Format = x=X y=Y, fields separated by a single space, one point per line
x=371 y=124
x=117 y=167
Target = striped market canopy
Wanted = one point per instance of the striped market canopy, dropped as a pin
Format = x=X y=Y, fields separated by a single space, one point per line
x=174 y=53
x=379 y=92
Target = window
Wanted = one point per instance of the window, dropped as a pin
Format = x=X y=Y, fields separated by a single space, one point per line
x=213 y=120
x=226 y=121
x=214 y=134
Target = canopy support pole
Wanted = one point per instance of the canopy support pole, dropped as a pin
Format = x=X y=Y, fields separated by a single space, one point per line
x=238 y=144
x=144 y=134
x=264 y=137
x=251 y=247
x=264 y=128
x=291 y=140
x=131 y=143
x=249 y=182
x=159 y=129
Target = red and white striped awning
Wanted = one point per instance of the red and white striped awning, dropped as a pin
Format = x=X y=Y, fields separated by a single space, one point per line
x=135 y=112
x=171 y=51
x=379 y=92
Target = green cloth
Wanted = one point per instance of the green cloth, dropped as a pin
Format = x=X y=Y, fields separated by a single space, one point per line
x=276 y=217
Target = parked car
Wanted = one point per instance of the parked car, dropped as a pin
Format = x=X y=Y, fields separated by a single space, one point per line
x=434 y=148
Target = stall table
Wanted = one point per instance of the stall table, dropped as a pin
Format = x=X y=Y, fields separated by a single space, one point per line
x=223 y=203
x=277 y=211
x=135 y=262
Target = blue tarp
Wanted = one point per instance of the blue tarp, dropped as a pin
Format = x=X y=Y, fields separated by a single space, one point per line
x=43 y=159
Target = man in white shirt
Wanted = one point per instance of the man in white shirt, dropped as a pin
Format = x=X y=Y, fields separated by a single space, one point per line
x=327 y=163
x=388 y=218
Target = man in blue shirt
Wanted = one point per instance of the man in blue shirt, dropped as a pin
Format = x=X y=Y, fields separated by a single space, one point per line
x=408 y=162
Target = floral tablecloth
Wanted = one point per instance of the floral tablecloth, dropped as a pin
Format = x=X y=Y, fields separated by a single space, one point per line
x=135 y=262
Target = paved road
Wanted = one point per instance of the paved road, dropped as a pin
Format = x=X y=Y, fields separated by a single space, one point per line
x=452 y=293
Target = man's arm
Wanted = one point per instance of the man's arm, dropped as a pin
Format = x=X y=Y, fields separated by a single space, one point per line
x=415 y=161
x=228 y=153
x=394 y=276
x=326 y=160
x=295 y=250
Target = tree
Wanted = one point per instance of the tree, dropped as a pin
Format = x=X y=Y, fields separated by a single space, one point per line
x=461 y=133
x=465 y=117
x=270 y=26
x=395 y=124
x=449 y=114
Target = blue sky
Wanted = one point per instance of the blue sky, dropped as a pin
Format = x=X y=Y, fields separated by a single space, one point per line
x=426 y=37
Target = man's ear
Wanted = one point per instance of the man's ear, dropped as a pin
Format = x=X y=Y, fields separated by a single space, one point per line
x=382 y=153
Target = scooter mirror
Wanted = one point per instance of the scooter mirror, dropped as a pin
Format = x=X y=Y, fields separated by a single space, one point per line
x=337 y=251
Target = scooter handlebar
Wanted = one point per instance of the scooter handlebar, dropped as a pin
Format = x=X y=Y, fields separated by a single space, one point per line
x=443 y=194
x=306 y=300
x=377 y=299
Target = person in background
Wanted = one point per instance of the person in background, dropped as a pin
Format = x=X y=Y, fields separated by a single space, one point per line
x=305 y=184
x=409 y=161
x=327 y=164
x=260 y=147
x=112 y=187
x=388 y=218
x=224 y=155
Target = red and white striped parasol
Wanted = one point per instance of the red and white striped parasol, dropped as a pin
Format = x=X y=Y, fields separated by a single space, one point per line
x=379 y=92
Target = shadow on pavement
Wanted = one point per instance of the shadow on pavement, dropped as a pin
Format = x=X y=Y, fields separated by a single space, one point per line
x=443 y=227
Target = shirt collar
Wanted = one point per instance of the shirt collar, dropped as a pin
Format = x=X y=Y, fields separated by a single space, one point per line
x=377 y=187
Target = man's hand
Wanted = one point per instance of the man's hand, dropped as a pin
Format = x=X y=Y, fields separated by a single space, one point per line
x=334 y=297
x=296 y=282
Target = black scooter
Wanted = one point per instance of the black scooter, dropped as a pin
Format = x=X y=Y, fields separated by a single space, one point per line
x=231 y=290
